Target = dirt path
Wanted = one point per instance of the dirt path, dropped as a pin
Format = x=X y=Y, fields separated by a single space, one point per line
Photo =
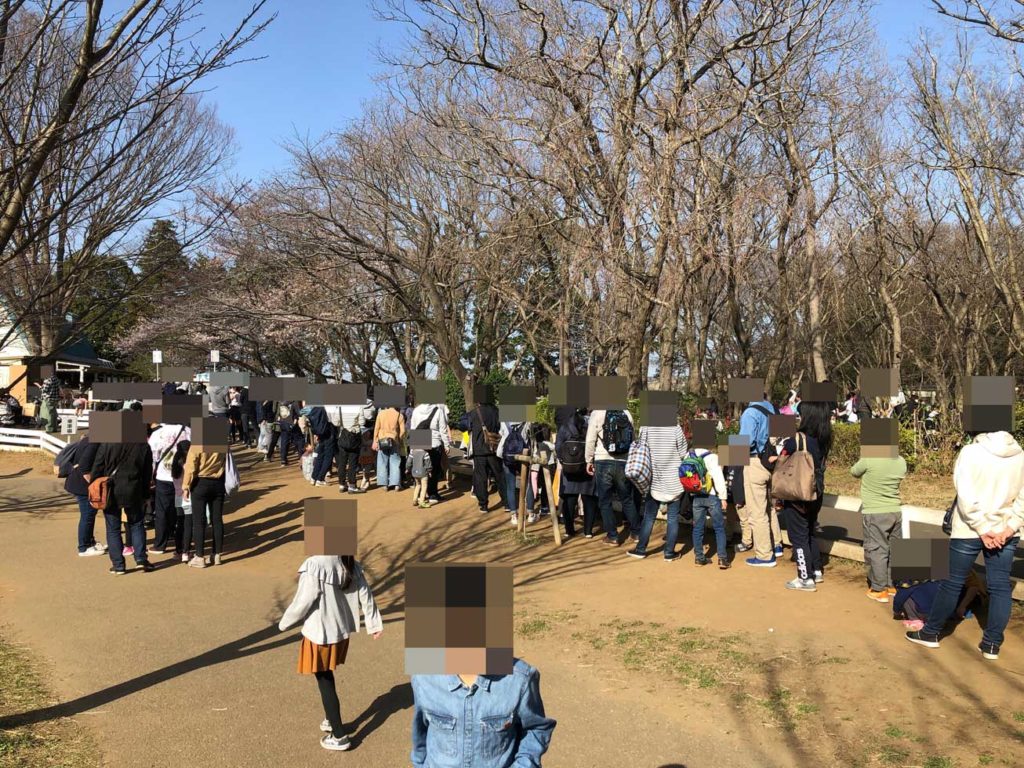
x=644 y=663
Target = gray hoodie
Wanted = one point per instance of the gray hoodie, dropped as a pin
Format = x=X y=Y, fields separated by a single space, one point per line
x=989 y=481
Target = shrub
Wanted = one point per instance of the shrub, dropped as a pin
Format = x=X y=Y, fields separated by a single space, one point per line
x=846 y=445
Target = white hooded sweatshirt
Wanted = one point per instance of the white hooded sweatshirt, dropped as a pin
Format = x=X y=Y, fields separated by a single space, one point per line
x=989 y=481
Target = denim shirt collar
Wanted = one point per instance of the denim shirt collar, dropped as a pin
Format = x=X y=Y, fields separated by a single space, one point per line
x=482 y=681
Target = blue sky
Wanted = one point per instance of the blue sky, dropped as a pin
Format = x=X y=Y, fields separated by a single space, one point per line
x=321 y=60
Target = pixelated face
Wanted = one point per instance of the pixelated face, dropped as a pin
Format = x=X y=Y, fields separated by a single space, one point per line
x=420 y=438
x=879 y=382
x=482 y=394
x=782 y=426
x=988 y=404
x=517 y=403
x=736 y=453
x=329 y=527
x=122 y=427
x=569 y=390
x=427 y=391
x=210 y=434
x=395 y=396
x=879 y=438
x=704 y=434
x=173 y=409
x=458 y=619
x=819 y=392
x=659 y=409
x=177 y=373
x=919 y=559
x=746 y=390
x=608 y=393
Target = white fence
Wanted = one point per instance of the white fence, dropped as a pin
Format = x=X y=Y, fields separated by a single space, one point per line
x=82 y=421
x=29 y=439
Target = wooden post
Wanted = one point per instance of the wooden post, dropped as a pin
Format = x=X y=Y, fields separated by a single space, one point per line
x=553 y=503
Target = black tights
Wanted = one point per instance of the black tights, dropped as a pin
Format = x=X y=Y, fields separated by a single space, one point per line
x=329 y=697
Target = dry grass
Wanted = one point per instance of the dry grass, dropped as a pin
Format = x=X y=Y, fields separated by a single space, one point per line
x=60 y=742
x=918 y=489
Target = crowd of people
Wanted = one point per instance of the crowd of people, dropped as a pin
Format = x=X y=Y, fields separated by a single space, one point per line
x=615 y=476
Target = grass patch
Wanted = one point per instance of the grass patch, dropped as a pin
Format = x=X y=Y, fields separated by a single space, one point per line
x=1019 y=717
x=807 y=709
x=533 y=627
x=510 y=537
x=896 y=733
x=985 y=759
x=890 y=755
x=936 y=761
x=60 y=742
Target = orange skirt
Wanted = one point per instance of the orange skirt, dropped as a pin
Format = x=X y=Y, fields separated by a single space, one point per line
x=321 y=658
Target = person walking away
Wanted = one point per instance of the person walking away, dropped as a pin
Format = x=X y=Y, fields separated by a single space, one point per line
x=484 y=436
x=163 y=444
x=288 y=434
x=234 y=415
x=708 y=501
x=880 y=479
x=331 y=593
x=419 y=470
x=987 y=518
x=129 y=469
x=514 y=730
x=77 y=484
x=759 y=521
x=802 y=516
x=862 y=407
x=609 y=435
x=435 y=418
x=668 y=447
x=203 y=484
x=388 y=434
x=326 y=443
x=249 y=418
x=514 y=440
x=577 y=485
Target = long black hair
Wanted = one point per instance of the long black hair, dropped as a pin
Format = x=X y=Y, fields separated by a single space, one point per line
x=816 y=422
x=349 y=561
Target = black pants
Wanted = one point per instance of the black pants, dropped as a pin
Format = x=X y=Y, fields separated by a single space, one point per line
x=165 y=514
x=348 y=465
x=287 y=439
x=801 y=524
x=435 y=471
x=208 y=491
x=590 y=512
x=329 y=697
x=247 y=425
x=482 y=467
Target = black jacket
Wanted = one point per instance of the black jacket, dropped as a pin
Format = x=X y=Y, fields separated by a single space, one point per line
x=75 y=482
x=573 y=428
x=319 y=423
x=133 y=463
x=476 y=432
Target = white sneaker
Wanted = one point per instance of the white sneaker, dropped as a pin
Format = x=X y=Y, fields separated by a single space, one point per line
x=325 y=726
x=91 y=552
x=184 y=558
x=514 y=520
x=335 y=744
x=533 y=517
x=216 y=559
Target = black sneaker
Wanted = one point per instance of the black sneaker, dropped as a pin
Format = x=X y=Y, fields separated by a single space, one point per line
x=146 y=567
x=923 y=638
x=989 y=650
x=724 y=565
x=116 y=571
x=701 y=561
x=610 y=541
x=741 y=547
x=356 y=489
x=636 y=553
x=671 y=557
x=483 y=510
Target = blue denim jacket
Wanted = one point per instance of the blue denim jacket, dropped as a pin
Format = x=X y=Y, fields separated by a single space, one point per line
x=498 y=723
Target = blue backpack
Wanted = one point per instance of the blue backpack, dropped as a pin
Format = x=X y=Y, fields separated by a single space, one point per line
x=515 y=444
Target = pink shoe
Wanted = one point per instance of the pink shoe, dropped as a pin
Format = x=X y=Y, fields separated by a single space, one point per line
x=127 y=551
x=914 y=625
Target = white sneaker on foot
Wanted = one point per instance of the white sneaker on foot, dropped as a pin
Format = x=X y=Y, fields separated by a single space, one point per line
x=533 y=517
x=91 y=552
x=514 y=520
x=336 y=744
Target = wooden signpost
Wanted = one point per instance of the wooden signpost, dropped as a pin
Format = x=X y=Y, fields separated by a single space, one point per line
x=540 y=460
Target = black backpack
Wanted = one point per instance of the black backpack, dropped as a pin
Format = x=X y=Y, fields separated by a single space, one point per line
x=66 y=459
x=515 y=445
x=617 y=434
x=573 y=451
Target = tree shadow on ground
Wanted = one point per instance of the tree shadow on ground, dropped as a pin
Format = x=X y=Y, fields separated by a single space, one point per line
x=236 y=649
x=264 y=530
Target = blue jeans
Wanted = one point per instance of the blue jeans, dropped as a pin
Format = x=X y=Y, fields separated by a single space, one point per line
x=86 y=523
x=325 y=451
x=962 y=555
x=387 y=469
x=651 y=506
x=609 y=477
x=702 y=507
x=115 y=544
x=512 y=493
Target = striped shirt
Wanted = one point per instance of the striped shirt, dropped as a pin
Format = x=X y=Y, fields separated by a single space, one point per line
x=668 y=447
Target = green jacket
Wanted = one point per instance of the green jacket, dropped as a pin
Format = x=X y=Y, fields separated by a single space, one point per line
x=880 y=484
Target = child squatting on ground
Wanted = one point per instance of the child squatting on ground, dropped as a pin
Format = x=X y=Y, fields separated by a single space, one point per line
x=331 y=593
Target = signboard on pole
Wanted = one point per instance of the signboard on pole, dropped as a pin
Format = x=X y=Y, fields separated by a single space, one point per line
x=158 y=357
x=214 y=355
x=67 y=425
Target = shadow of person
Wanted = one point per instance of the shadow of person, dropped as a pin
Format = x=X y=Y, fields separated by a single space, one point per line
x=672 y=765
x=379 y=710
x=236 y=649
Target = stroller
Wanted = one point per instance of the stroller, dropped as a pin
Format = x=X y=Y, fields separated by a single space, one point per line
x=10 y=411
